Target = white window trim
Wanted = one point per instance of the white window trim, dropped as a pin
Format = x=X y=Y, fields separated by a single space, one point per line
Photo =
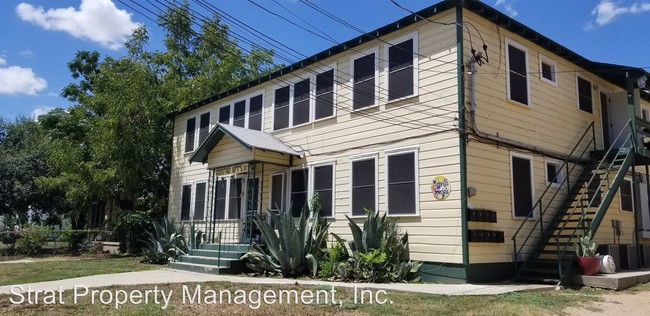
x=401 y=151
x=532 y=183
x=196 y=133
x=193 y=202
x=311 y=182
x=247 y=99
x=274 y=89
x=620 y=199
x=180 y=209
x=561 y=172
x=320 y=70
x=547 y=60
x=230 y=114
x=312 y=98
x=523 y=48
x=412 y=35
x=364 y=157
x=354 y=57
x=593 y=110
x=284 y=187
x=198 y=127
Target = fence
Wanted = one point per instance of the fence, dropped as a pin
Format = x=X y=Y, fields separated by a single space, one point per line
x=43 y=240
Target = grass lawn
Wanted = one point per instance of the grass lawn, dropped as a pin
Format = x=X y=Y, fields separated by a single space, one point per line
x=68 y=267
x=530 y=303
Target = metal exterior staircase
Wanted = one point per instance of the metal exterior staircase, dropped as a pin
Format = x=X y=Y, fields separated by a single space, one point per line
x=546 y=254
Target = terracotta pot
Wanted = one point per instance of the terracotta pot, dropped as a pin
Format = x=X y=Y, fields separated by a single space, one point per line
x=589 y=265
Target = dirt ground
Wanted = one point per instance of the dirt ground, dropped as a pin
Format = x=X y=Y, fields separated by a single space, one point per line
x=622 y=304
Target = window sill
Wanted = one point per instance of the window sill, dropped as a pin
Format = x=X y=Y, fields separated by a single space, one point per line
x=403 y=215
x=519 y=104
x=553 y=83
x=306 y=124
x=408 y=97
x=532 y=218
x=374 y=106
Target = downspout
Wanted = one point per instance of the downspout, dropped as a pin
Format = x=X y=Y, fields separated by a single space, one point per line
x=462 y=139
x=502 y=140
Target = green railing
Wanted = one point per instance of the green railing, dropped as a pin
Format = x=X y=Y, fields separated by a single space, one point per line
x=620 y=162
x=544 y=207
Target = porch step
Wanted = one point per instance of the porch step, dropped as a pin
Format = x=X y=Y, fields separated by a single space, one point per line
x=243 y=248
x=216 y=254
x=219 y=262
x=213 y=259
x=201 y=268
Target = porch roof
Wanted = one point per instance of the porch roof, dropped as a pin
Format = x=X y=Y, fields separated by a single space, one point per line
x=246 y=137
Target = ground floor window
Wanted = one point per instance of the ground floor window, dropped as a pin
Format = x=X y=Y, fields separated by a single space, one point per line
x=199 y=201
x=402 y=189
x=521 y=172
x=364 y=186
x=626 y=196
x=186 y=201
x=324 y=187
x=299 y=188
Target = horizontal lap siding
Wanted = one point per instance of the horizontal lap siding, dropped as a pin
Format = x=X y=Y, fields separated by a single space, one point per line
x=426 y=121
x=551 y=122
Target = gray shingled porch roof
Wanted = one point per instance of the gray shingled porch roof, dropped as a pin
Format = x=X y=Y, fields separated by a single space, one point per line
x=246 y=137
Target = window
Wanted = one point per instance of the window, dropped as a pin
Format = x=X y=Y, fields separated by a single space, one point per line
x=401 y=59
x=204 y=127
x=186 y=201
x=554 y=173
x=255 y=113
x=235 y=198
x=224 y=114
x=199 y=201
x=402 y=185
x=299 y=187
x=517 y=63
x=594 y=192
x=301 y=102
x=364 y=186
x=547 y=71
x=364 y=81
x=281 y=108
x=585 y=102
x=324 y=187
x=521 y=173
x=246 y=113
x=625 y=194
x=190 y=132
x=239 y=118
x=277 y=192
x=324 y=94
x=221 y=198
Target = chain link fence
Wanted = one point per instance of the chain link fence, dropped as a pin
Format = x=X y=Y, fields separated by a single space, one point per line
x=38 y=240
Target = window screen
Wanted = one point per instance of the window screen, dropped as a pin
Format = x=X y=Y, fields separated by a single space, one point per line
x=401 y=184
x=551 y=173
x=234 y=203
x=547 y=72
x=518 y=75
x=363 y=186
x=301 y=102
x=584 y=95
x=400 y=70
x=627 y=203
x=255 y=113
x=522 y=186
x=240 y=114
x=190 y=132
x=325 y=94
x=364 y=81
x=299 y=180
x=199 y=201
x=281 y=109
x=186 y=200
x=323 y=186
x=277 y=191
x=594 y=191
x=204 y=127
x=220 y=200
x=224 y=115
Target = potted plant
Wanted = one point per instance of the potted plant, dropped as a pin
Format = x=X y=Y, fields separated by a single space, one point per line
x=588 y=259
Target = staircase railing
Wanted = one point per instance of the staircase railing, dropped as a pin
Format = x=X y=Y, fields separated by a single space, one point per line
x=543 y=207
x=627 y=150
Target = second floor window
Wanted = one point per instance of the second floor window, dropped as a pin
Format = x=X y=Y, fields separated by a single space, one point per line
x=585 y=102
x=246 y=113
x=190 y=133
x=400 y=70
x=281 y=108
x=517 y=73
x=204 y=126
x=364 y=82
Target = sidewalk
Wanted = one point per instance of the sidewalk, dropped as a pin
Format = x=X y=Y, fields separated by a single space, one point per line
x=164 y=276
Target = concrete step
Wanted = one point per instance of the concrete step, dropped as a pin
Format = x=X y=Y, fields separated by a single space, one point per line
x=216 y=253
x=201 y=268
x=221 y=262
x=243 y=248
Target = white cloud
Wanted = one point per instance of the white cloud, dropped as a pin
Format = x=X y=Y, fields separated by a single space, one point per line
x=38 y=111
x=19 y=80
x=26 y=52
x=96 y=20
x=507 y=6
x=3 y=61
x=607 y=10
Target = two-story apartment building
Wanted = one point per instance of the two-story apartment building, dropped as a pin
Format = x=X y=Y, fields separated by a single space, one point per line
x=410 y=120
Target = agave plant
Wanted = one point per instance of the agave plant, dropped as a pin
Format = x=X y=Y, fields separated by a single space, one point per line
x=166 y=241
x=291 y=247
x=376 y=252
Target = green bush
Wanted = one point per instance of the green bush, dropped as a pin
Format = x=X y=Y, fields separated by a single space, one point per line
x=74 y=238
x=33 y=239
x=131 y=229
x=336 y=255
x=376 y=253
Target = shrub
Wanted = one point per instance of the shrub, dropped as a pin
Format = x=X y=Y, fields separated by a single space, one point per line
x=165 y=242
x=74 y=238
x=335 y=256
x=131 y=228
x=33 y=239
x=376 y=253
x=292 y=247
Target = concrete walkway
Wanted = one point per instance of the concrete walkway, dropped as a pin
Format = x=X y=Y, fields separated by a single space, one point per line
x=164 y=276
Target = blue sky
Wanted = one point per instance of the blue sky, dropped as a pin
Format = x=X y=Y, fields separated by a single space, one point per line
x=39 y=37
